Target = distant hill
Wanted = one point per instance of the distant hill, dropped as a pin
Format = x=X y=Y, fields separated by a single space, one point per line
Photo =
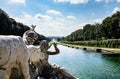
x=8 y=26
x=55 y=37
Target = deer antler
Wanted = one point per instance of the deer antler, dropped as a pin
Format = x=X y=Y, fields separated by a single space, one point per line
x=33 y=27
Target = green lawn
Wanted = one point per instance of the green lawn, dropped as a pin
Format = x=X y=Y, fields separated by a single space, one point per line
x=115 y=50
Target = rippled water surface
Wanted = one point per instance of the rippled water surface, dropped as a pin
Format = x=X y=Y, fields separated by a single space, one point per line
x=87 y=64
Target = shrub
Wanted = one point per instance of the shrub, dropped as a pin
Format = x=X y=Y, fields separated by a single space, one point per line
x=110 y=43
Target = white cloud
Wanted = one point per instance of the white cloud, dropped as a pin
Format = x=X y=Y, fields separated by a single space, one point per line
x=71 y=17
x=118 y=0
x=42 y=17
x=25 y=19
x=98 y=20
x=53 y=12
x=17 y=1
x=50 y=25
x=104 y=1
x=115 y=10
x=73 y=1
x=98 y=0
x=78 y=1
x=108 y=1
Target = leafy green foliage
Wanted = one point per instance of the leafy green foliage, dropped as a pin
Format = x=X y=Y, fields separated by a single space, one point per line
x=108 y=29
x=110 y=43
x=77 y=35
x=8 y=26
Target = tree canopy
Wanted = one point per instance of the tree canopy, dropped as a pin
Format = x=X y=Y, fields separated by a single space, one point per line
x=8 y=26
x=108 y=29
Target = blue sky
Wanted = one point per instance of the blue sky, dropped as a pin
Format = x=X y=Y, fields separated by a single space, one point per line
x=59 y=17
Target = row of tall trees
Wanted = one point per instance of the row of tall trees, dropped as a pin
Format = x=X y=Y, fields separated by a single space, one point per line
x=108 y=29
x=8 y=26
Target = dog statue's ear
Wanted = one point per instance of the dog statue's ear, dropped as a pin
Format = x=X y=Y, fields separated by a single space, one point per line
x=33 y=27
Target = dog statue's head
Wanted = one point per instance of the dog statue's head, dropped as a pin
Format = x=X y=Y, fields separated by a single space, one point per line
x=30 y=36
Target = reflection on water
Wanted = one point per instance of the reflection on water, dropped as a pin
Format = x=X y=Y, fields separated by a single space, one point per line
x=87 y=64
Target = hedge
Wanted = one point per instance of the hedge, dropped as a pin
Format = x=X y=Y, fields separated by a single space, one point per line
x=110 y=43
